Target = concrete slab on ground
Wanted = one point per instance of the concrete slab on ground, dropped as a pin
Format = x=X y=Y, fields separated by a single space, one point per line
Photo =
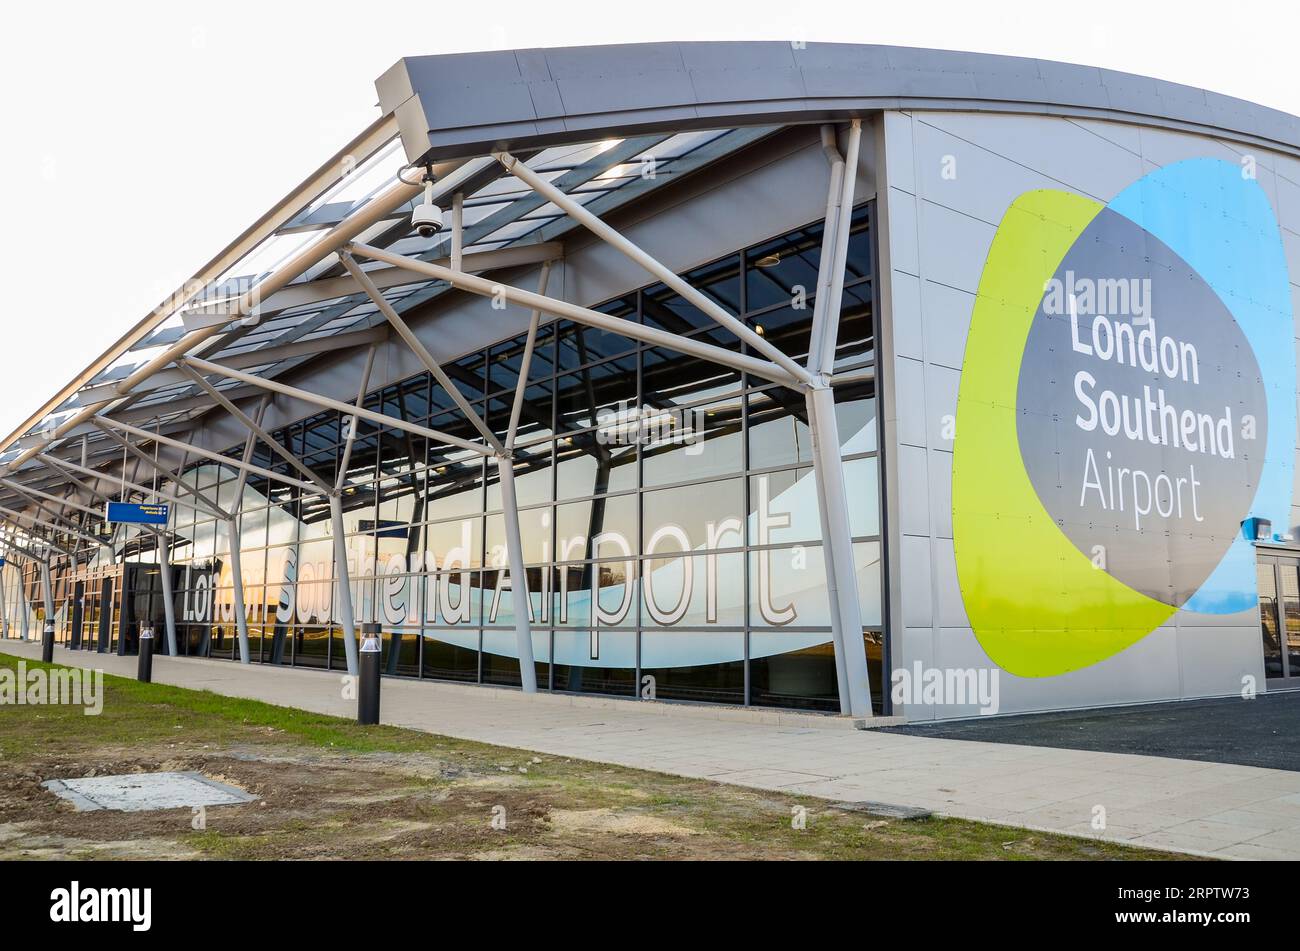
x=143 y=792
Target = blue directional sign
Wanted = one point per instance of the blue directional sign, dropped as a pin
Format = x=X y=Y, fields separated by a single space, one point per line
x=134 y=514
x=2 y=562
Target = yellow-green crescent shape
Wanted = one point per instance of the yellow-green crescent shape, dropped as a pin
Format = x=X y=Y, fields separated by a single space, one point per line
x=1038 y=606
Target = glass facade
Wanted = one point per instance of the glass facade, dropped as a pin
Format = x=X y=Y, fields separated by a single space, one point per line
x=667 y=508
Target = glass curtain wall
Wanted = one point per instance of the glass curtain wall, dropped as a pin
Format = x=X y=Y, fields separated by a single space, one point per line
x=668 y=512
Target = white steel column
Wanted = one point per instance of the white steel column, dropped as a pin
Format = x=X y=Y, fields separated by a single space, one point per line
x=346 y=462
x=47 y=589
x=4 y=603
x=825 y=340
x=343 y=581
x=237 y=579
x=518 y=577
x=534 y=322
x=169 y=608
x=23 y=607
x=232 y=531
x=841 y=579
x=342 y=576
x=505 y=469
x=833 y=502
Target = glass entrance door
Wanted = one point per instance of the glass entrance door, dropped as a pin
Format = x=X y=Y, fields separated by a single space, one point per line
x=1279 y=617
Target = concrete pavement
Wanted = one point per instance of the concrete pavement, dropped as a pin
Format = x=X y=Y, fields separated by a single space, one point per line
x=1218 y=809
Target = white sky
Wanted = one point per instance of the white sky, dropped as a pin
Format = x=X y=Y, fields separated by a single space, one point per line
x=141 y=138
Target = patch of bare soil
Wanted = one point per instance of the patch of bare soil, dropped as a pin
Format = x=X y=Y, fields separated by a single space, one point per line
x=618 y=823
x=314 y=805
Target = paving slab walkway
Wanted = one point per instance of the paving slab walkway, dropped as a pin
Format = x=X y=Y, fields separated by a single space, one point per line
x=1220 y=809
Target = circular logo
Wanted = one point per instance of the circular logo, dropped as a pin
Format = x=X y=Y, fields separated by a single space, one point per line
x=1127 y=399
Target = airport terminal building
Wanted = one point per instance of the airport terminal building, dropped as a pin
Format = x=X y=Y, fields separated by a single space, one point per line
x=763 y=374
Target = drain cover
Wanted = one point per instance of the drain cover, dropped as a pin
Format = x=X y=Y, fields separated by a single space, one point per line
x=886 y=810
x=143 y=792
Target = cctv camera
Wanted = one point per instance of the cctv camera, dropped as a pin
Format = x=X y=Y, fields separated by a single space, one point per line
x=427 y=220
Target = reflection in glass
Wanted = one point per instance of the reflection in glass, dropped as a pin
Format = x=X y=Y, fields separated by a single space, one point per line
x=1268 y=619
x=642 y=475
x=596 y=661
x=700 y=666
x=788 y=675
x=778 y=429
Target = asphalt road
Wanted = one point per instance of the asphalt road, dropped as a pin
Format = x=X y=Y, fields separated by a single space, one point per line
x=1261 y=732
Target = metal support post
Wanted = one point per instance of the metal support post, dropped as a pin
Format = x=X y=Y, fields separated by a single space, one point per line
x=841 y=580
x=347 y=619
x=534 y=322
x=346 y=462
x=518 y=576
x=169 y=606
x=237 y=579
x=47 y=591
x=23 y=608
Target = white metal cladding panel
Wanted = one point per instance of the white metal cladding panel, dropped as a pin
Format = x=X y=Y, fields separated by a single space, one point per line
x=918 y=583
x=945 y=317
x=909 y=385
x=914 y=508
x=952 y=612
x=1147 y=671
x=952 y=246
x=909 y=331
x=940 y=468
x=941 y=405
x=1209 y=657
x=941 y=230
x=1015 y=154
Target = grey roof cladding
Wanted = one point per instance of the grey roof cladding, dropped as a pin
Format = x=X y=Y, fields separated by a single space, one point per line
x=467 y=103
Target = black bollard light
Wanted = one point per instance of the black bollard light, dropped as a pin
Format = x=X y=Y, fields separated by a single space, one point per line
x=144 y=665
x=368 y=688
x=47 y=643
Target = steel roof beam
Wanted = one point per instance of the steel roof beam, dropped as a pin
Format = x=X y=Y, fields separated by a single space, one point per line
x=200 y=500
x=373 y=138
x=253 y=427
x=49 y=527
x=338 y=406
x=257 y=358
x=145 y=435
x=419 y=349
x=28 y=490
x=146 y=491
x=326 y=289
x=365 y=217
x=585 y=315
x=58 y=518
x=616 y=240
